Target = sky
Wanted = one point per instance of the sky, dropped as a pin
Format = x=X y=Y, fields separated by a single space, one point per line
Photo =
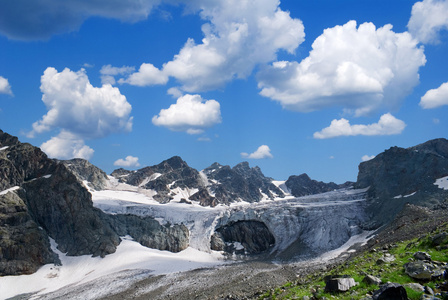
x=291 y=86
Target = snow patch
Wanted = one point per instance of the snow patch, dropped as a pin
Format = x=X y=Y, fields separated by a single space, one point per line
x=442 y=183
x=4 y=148
x=282 y=186
x=15 y=188
x=405 y=196
x=150 y=178
x=130 y=255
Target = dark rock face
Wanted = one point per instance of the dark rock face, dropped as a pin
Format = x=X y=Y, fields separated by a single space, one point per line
x=55 y=200
x=399 y=176
x=150 y=233
x=41 y=198
x=390 y=291
x=85 y=171
x=399 y=171
x=64 y=208
x=303 y=185
x=254 y=236
x=24 y=247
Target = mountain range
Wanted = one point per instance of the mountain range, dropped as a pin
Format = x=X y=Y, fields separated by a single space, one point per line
x=43 y=199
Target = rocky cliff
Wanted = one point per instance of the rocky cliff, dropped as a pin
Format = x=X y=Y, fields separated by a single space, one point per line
x=87 y=173
x=42 y=198
x=399 y=176
x=303 y=185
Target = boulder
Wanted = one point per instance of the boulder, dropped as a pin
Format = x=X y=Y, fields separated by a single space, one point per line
x=423 y=270
x=429 y=297
x=338 y=284
x=369 y=279
x=390 y=291
x=387 y=258
x=415 y=287
x=422 y=256
x=439 y=239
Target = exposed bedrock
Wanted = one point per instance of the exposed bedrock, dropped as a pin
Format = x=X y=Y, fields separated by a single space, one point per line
x=253 y=236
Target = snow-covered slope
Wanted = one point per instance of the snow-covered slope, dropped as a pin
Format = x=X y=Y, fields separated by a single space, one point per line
x=320 y=222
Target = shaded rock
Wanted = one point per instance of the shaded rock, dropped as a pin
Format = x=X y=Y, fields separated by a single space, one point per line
x=390 y=291
x=204 y=198
x=341 y=284
x=422 y=256
x=24 y=247
x=429 y=297
x=303 y=185
x=55 y=201
x=369 y=279
x=253 y=236
x=399 y=176
x=149 y=233
x=64 y=208
x=439 y=239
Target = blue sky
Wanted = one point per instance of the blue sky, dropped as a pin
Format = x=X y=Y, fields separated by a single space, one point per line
x=293 y=86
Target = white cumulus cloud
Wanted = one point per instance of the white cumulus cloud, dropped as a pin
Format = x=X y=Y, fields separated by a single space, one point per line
x=129 y=161
x=367 y=157
x=75 y=106
x=262 y=152
x=190 y=113
x=67 y=146
x=80 y=111
x=108 y=73
x=428 y=18
x=5 y=87
x=360 y=69
x=238 y=35
x=435 y=97
x=387 y=125
x=146 y=75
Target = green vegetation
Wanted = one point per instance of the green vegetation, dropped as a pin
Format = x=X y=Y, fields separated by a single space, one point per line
x=367 y=263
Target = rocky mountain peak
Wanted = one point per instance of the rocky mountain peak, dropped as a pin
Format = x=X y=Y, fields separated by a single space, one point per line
x=213 y=168
x=436 y=147
x=303 y=185
x=399 y=176
x=86 y=172
x=7 y=140
x=172 y=163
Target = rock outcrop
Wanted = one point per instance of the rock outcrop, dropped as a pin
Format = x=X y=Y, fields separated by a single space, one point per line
x=240 y=183
x=399 y=176
x=149 y=233
x=170 y=174
x=42 y=198
x=24 y=246
x=86 y=172
x=303 y=185
x=215 y=185
x=51 y=203
x=243 y=237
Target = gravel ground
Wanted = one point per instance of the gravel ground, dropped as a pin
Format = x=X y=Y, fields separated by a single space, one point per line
x=245 y=280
